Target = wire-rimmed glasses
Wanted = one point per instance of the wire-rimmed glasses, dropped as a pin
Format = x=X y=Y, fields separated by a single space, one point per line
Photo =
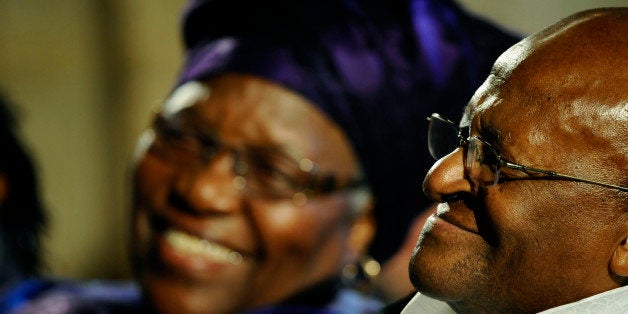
x=482 y=161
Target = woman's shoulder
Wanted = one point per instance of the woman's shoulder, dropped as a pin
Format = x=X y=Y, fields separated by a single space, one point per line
x=62 y=296
x=350 y=301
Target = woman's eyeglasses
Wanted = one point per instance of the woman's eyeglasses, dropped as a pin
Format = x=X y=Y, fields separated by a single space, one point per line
x=482 y=161
x=259 y=171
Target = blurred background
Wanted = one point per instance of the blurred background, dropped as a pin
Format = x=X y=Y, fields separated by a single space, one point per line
x=86 y=75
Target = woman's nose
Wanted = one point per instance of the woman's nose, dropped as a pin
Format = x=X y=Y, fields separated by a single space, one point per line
x=208 y=187
x=447 y=177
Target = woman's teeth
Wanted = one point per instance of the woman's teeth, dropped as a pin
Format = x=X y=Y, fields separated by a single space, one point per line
x=191 y=245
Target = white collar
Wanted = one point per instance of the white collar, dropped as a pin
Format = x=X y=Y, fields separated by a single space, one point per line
x=424 y=304
x=612 y=301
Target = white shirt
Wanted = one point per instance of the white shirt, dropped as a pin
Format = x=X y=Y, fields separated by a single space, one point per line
x=424 y=304
x=612 y=301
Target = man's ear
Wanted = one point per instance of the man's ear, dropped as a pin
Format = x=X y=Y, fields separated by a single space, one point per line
x=619 y=261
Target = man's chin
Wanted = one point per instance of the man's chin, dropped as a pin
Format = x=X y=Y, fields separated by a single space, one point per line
x=433 y=272
x=423 y=273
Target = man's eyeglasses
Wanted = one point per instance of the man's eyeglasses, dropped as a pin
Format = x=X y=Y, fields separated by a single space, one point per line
x=259 y=171
x=482 y=161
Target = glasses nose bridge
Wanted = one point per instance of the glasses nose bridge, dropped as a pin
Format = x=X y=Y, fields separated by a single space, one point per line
x=222 y=160
x=210 y=150
x=210 y=185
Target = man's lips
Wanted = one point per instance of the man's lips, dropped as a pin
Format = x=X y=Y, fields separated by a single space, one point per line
x=462 y=218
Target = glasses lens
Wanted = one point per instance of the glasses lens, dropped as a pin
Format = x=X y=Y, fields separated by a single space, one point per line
x=275 y=175
x=482 y=162
x=175 y=146
x=442 y=136
x=272 y=175
x=262 y=171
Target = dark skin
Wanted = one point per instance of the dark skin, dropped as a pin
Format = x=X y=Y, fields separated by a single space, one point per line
x=201 y=245
x=557 y=100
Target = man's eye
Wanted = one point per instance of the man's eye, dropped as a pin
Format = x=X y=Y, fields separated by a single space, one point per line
x=490 y=158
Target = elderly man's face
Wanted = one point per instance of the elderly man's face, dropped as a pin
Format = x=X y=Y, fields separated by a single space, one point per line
x=205 y=241
x=528 y=244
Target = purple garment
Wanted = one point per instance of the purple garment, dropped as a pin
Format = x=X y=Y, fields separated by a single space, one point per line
x=377 y=68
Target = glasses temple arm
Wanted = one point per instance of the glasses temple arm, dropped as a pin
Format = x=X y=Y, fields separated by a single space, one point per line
x=555 y=174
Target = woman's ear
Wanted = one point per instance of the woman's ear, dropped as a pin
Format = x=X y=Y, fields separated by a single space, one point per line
x=619 y=261
x=361 y=235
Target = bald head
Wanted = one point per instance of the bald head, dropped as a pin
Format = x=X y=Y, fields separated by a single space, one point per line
x=570 y=80
x=582 y=57
x=582 y=54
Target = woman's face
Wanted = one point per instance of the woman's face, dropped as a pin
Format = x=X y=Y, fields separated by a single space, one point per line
x=221 y=223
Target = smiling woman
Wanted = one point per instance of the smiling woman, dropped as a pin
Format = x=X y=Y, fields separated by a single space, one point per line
x=204 y=242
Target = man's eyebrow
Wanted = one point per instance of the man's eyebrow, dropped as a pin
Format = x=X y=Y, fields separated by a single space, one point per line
x=491 y=135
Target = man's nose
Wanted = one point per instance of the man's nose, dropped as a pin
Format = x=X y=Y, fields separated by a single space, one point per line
x=447 y=177
x=208 y=188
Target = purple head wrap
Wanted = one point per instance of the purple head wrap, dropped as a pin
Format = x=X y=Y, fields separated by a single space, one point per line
x=377 y=68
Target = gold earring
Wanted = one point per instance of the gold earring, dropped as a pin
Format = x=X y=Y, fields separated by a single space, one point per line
x=361 y=273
